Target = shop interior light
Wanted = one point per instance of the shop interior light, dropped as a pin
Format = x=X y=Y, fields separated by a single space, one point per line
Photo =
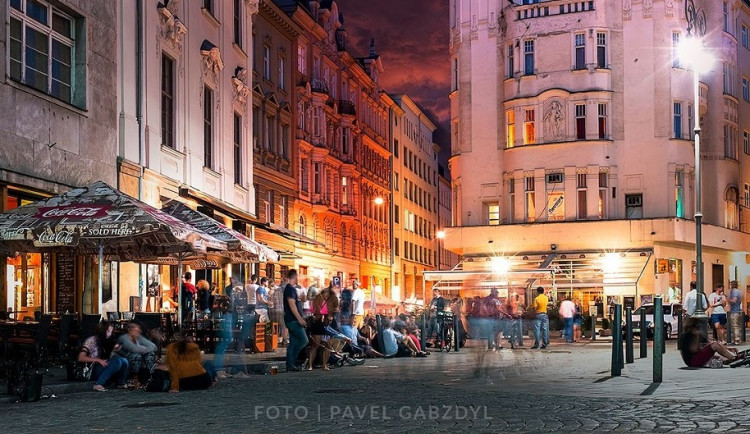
x=500 y=265
x=611 y=262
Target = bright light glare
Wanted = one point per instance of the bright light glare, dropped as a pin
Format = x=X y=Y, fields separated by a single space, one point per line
x=692 y=53
x=379 y=200
x=500 y=265
x=440 y=234
x=611 y=262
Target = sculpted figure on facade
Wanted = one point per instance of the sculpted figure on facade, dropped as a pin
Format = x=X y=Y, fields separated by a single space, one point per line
x=554 y=120
x=172 y=29
x=669 y=8
x=252 y=6
x=241 y=88
x=648 y=8
x=211 y=57
x=627 y=10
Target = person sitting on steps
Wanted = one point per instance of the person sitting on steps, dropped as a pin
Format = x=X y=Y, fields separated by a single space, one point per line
x=695 y=349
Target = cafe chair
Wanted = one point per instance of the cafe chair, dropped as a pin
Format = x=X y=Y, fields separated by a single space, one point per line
x=89 y=323
x=34 y=347
x=63 y=338
x=112 y=317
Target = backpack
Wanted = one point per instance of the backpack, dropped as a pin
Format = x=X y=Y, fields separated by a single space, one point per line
x=346 y=301
x=159 y=381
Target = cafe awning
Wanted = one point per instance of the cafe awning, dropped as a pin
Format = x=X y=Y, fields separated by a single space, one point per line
x=240 y=248
x=288 y=233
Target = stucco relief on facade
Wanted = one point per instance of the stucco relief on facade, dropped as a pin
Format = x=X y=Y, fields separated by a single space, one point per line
x=627 y=10
x=172 y=29
x=669 y=8
x=554 y=119
x=241 y=88
x=212 y=62
x=648 y=8
x=252 y=6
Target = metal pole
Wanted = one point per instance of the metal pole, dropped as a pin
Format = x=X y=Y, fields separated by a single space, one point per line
x=658 y=339
x=101 y=273
x=423 y=330
x=699 y=308
x=743 y=325
x=616 y=369
x=456 y=319
x=629 y=331
x=644 y=334
x=179 y=291
x=593 y=327
x=679 y=330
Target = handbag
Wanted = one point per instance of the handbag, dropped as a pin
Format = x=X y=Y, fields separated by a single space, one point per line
x=159 y=381
x=79 y=371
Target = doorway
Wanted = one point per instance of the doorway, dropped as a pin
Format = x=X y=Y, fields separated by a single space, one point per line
x=717 y=275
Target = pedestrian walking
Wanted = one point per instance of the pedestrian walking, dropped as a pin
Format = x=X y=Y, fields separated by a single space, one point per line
x=567 y=313
x=577 y=321
x=541 y=321
x=717 y=302
x=295 y=324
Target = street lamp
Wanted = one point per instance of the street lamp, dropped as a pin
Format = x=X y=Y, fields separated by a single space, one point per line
x=378 y=200
x=693 y=53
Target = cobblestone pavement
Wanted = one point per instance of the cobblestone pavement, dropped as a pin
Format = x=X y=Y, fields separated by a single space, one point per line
x=526 y=391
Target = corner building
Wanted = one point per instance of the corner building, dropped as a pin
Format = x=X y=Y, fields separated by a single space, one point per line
x=572 y=146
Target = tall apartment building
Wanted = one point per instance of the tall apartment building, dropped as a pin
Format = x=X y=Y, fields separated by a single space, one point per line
x=572 y=145
x=185 y=107
x=415 y=198
x=58 y=130
x=343 y=160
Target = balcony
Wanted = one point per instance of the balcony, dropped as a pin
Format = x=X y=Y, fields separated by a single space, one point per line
x=348 y=212
x=318 y=86
x=320 y=203
x=346 y=107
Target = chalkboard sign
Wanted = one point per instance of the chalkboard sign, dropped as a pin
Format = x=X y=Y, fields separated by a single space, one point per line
x=65 y=282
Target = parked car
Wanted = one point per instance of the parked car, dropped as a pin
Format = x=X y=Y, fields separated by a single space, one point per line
x=670 y=311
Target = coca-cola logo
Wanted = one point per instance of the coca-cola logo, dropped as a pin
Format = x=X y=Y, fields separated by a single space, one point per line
x=72 y=211
x=62 y=238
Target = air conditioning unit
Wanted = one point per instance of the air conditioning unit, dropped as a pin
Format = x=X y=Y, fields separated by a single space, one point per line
x=634 y=200
x=555 y=178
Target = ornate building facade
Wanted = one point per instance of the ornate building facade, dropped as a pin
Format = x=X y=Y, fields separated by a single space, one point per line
x=572 y=150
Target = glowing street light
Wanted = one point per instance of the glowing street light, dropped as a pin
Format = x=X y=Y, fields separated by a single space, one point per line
x=440 y=234
x=500 y=265
x=378 y=200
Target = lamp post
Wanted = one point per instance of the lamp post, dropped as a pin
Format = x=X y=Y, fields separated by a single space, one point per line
x=692 y=51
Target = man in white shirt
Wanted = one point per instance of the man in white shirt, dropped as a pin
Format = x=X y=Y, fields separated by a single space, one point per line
x=251 y=289
x=691 y=298
x=567 y=312
x=358 y=299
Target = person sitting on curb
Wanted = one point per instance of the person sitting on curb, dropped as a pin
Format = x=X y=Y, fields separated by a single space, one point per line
x=695 y=349
x=396 y=344
x=186 y=370
x=104 y=369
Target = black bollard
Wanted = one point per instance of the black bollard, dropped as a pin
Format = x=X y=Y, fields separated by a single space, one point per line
x=679 y=330
x=629 y=334
x=729 y=327
x=593 y=327
x=422 y=331
x=743 y=326
x=616 y=369
x=643 y=334
x=456 y=336
x=658 y=339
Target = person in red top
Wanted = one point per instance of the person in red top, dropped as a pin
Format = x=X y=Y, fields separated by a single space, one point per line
x=188 y=297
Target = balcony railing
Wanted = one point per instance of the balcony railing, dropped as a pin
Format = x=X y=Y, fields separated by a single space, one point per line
x=346 y=107
x=319 y=86
x=348 y=210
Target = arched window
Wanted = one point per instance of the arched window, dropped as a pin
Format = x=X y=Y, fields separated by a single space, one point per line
x=302 y=228
x=731 y=210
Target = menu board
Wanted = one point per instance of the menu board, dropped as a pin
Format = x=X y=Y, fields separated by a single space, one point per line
x=65 y=282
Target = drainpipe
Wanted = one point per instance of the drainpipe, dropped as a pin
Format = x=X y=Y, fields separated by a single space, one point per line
x=139 y=117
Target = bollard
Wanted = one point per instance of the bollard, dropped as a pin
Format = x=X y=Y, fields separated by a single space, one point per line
x=593 y=327
x=456 y=337
x=629 y=334
x=729 y=327
x=744 y=325
x=616 y=369
x=679 y=330
x=644 y=334
x=520 y=332
x=658 y=339
x=423 y=329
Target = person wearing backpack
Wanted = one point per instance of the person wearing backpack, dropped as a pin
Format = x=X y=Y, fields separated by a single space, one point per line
x=346 y=314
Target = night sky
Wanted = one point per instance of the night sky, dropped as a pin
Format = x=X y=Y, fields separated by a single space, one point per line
x=412 y=38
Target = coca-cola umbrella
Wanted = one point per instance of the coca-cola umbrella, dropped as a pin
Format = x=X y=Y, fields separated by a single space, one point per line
x=240 y=248
x=99 y=219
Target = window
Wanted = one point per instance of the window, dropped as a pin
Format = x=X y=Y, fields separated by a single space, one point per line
x=345 y=140
x=746 y=142
x=305 y=175
x=283 y=207
x=530 y=199
x=511 y=128
x=678 y=194
x=395 y=146
x=344 y=190
x=745 y=90
x=730 y=142
x=269 y=206
x=284 y=145
x=396 y=246
x=396 y=181
x=493 y=213
x=634 y=206
x=677 y=120
x=581 y=121
x=208 y=5
x=746 y=201
x=266 y=62
x=744 y=37
x=602 y=121
x=237 y=21
x=396 y=214
x=509 y=71
x=455 y=74
x=302 y=58
x=580 y=51
x=317 y=177
x=602 y=205
x=729 y=80
x=208 y=119
x=512 y=200
x=282 y=73
x=601 y=50
x=237 y=149
x=528 y=127
x=43 y=50
x=302 y=228
x=581 y=193
x=731 y=211
x=528 y=57
x=675 y=49
x=691 y=122
x=167 y=101
x=725 y=17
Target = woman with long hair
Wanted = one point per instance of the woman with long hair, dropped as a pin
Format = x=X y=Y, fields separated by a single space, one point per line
x=324 y=307
x=104 y=369
x=187 y=371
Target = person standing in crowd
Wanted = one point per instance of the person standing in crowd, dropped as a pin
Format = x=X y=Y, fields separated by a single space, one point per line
x=513 y=317
x=735 y=312
x=308 y=297
x=577 y=321
x=358 y=298
x=567 y=313
x=437 y=306
x=233 y=283
x=188 y=297
x=346 y=314
x=717 y=302
x=295 y=324
x=203 y=296
x=104 y=369
x=140 y=352
x=261 y=300
x=691 y=299
x=251 y=290
x=186 y=370
x=541 y=322
x=276 y=310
